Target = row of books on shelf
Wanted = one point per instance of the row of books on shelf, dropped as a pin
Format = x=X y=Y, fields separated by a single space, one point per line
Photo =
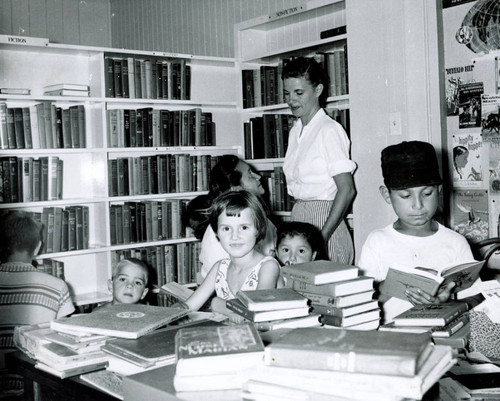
x=148 y=78
x=29 y=179
x=64 y=229
x=42 y=126
x=161 y=174
x=146 y=221
x=149 y=127
x=279 y=199
x=263 y=86
x=171 y=262
x=266 y=136
x=51 y=266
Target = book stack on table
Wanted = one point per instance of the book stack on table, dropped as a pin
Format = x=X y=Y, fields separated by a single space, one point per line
x=216 y=357
x=447 y=323
x=273 y=309
x=340 y=364
x=337 y=292
x=73 y=345
x=66 y=90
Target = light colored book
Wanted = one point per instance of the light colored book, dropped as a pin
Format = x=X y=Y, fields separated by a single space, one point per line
x=346 y=310
x=429 y=280
x=59 y=356
x=340 y=301
x=122 y=320
x=71 y=371
x=237 y=306
x=353 y=320
x=217 y=349
x=78 y=87
x=15 y=91
x=66 y=92
x=179 y=291
x=109 y=382
x=346 y=287
x=271 y=299
x=78 y=346
x=319 y=272
x=431 y=315
x=311 y=320
x=372 y=352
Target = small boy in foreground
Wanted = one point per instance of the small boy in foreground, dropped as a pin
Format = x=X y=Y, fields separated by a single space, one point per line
x=129 y=284
x=412 y=185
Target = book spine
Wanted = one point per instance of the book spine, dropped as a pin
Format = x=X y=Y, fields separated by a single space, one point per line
x=240 y=310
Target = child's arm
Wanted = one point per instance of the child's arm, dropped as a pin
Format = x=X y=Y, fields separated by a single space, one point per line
x=269 y=275
x=204 y=291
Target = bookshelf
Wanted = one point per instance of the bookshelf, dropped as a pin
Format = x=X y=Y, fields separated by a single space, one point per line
x=87 y=170
x=266 y=41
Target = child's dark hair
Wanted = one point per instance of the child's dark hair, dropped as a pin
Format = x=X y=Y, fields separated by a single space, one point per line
x=232 y=203
x=139 y=263
x=197 y=214
x=312 y=71
x=18 y=232
x=309 y=232
x=224 y=175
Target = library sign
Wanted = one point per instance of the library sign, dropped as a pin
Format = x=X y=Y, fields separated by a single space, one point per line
x=23 y=40
x=288 y=11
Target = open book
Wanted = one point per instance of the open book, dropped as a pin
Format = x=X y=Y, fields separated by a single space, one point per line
x=429 y=280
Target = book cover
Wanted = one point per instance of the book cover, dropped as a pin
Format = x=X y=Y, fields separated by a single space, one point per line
x=470 y=214
x=122 y=320
x=469 y=103
x=59 y=356
x=71 y=86
x=490 y=124
x=179 y=291
x=374 y=352
x=320 y=272
x=106 y=381
x=236 y=306
x=399 y=278
x=217 y=349
x=311 y=320
x=271 y=299
x=359 y=284
x=431 y=315
x=455 y=76
x=467 y=160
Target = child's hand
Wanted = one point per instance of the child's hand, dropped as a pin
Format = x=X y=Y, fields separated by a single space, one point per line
x=418 y=297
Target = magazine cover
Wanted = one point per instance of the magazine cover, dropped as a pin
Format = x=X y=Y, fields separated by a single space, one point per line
x=495 y=215
x=456 y=76
x=492 y=150
x=470 y=214
x=490 y=115
x=466 y=159
x=469 y=104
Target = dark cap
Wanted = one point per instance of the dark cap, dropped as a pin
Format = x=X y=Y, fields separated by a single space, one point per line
x=410 y=164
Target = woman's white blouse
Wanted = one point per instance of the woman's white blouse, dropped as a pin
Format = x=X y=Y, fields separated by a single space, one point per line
x=315 y=154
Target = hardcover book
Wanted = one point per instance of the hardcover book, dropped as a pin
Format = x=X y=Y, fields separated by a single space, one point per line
x=399 y=278
x=341 y=301
x=319 y=272
x=345 y=311
x=236 y=306
x=311 y=320
x=431 y=315
x=374 y=352
x=353 y=320
x=347 y=287
x=71 y=371
x=217 y=349
x=122 y=320
x=107 y=381
x=272 y=299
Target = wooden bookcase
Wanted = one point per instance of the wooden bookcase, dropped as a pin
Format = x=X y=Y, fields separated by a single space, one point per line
x=267 y=40
x=31 y=63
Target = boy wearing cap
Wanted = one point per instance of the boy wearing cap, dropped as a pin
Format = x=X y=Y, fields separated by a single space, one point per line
x=412 y=185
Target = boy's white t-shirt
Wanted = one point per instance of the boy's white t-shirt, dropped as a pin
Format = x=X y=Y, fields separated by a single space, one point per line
x=385 y=247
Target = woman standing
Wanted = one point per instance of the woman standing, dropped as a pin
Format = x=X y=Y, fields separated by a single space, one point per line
x=317 y=166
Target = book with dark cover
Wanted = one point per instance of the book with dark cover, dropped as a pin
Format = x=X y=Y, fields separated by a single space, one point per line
x=217 y=349
x=320 y=272
x=352 y=320
x=431 y=315
x=344 y=311
x=236 y=306
x=398 y=354
x=271 y=299
x=122 y=320
x=19 y=127
x=428 y=280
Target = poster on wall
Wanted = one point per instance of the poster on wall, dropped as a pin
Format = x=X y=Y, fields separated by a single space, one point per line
x=469 y=103
x=490 y=115
x=455 y=77
x=470 y=214
x=495 y=215
x=492 y=149
x=466 y=159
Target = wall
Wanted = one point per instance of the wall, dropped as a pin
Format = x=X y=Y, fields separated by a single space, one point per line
x=395 y=80
x=62 y=21
x=201 y=27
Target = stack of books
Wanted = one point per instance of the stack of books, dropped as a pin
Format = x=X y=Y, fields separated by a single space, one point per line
x=63 y=355
x=274 y=308
x=314 y=363
x=216 y=357
x=66 y=90
x=337 y=292
x=447 y=323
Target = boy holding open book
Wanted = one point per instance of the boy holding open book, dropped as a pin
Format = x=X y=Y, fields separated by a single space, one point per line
x=412 y=185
